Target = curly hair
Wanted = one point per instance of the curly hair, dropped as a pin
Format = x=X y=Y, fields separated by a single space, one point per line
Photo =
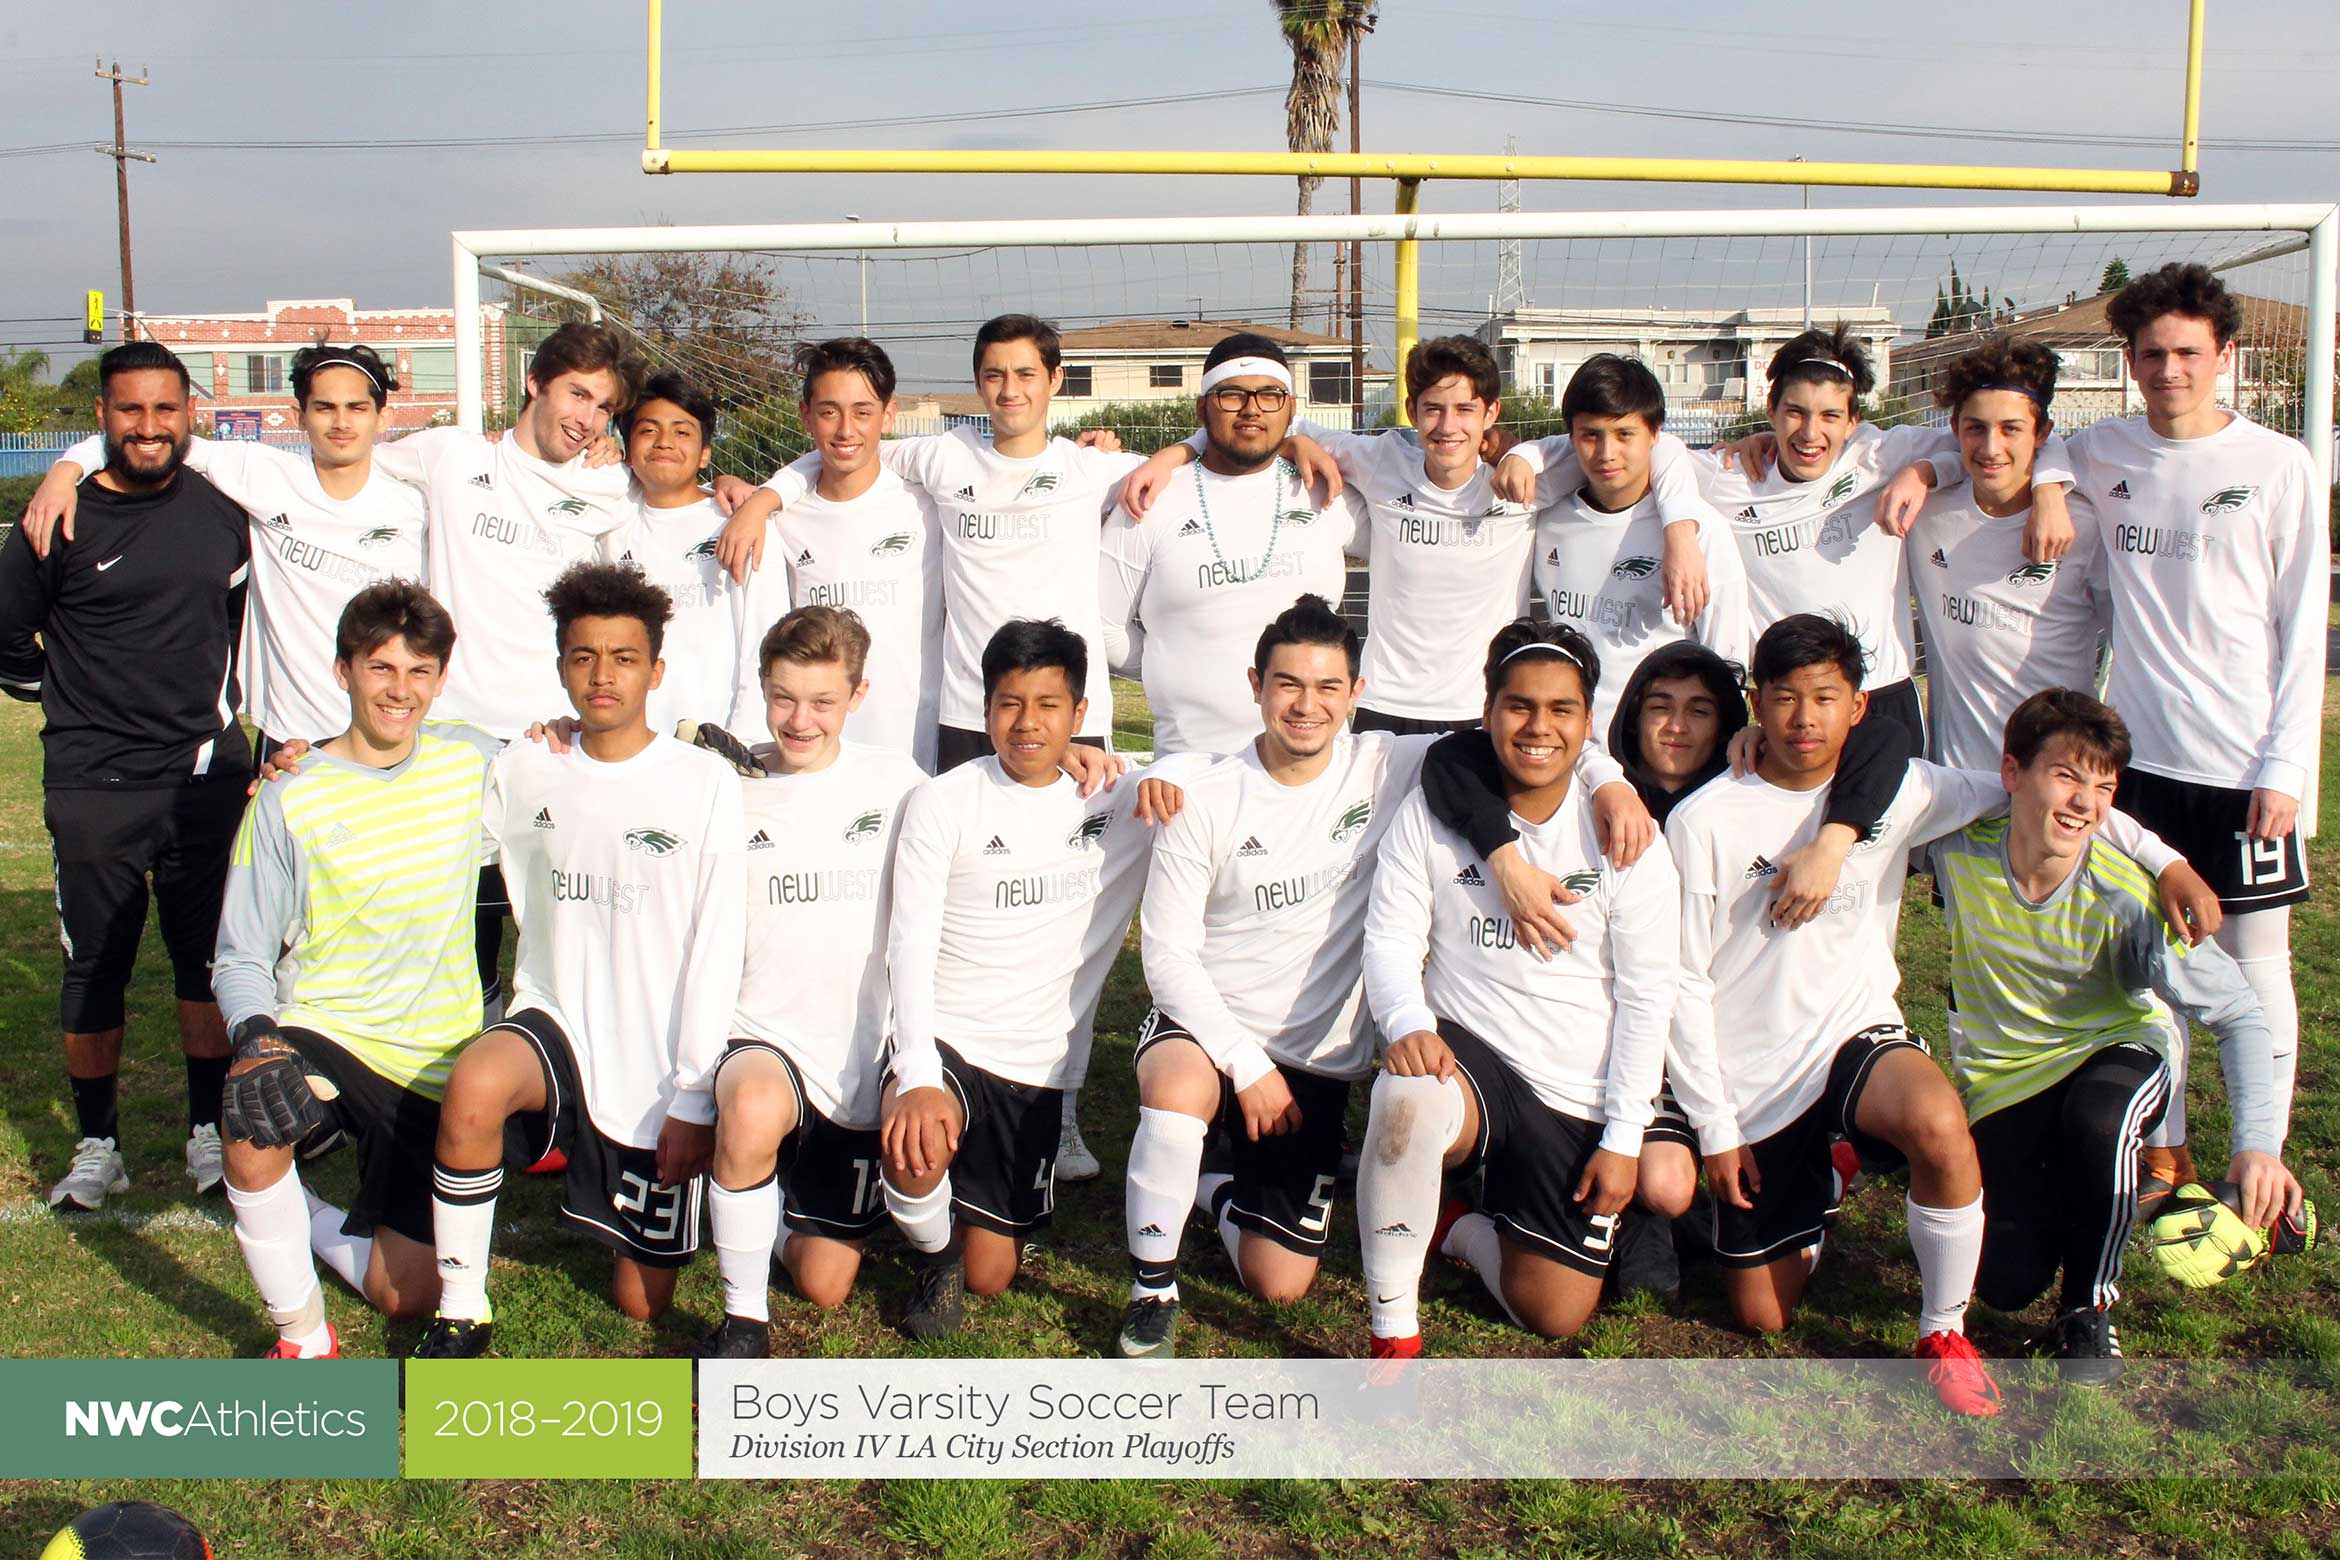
x=2175 y=289
x=608 y=590
x=2001 y=363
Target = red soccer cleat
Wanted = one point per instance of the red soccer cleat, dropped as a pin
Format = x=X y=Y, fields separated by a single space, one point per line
x=1845 y=1160
x=281 y=1350
x=1407 y=1348
x=1959 y=1377
x=1455 y=1208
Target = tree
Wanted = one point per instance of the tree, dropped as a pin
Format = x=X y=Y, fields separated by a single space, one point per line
x=1318 y=33
x=1144 y=426
x=2116 y=276
x=1956 y=308
x=25 y=403
x=723 y=321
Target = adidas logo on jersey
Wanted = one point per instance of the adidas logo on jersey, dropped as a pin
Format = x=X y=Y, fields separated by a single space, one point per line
x=627 y=556
x=2120 y=490
x=1553 y=557
x=804 y=559
x=277 y=523
x=1761 y=867
x=965 y=495
x=759 y=840
x=339 y=834
x=1251 y=847
x=1403 y=501
x=1191 y=528
x=484 y=479
x=544 y=817
x=997 y=847
x=1470 y=877
x=1747 y=513
x=1938 y=561
x=1040 y=482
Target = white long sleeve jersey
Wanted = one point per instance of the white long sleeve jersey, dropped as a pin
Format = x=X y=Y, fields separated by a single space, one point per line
x=1599 y=573
x=503 y=525
x=1010 y=902
x=1214 y=561
x=718 y=625
x=627 y=882
x=1815 y=546
x=1019 y=541
x=820 y=865
x=1999 y=627
x=311 y=552
x=1796 y=996
x=879 y=555
x=1586 y=1029
x=2218 y=563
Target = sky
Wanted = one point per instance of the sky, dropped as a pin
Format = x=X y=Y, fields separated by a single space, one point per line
x=273 y=179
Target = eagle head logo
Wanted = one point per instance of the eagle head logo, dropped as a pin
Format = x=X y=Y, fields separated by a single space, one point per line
x=653 y=842
x=379 y=536
x=1352 y=822
x=1581 y=882
x=2034 y=574
x=1634 y=568
x=1042 y=482
x=567 y=506
x=887 y=546
x=1092 y=829
x=705 y=549
x=2227 y=500
x=864 y=827
x=1839 y=490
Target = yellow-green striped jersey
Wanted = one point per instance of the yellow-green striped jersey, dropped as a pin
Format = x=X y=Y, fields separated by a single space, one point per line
x=349 y=905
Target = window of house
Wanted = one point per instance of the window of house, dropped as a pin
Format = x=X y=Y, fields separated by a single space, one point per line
x=257 y=373
x=1166 y=376
x=1079 y=379
x=430 y=370
x=1328 y=383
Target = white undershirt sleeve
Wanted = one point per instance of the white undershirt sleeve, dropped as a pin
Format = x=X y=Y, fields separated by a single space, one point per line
x=791 y=482
x=760 y=603
x=1645 y=950
x=923 y=848
x=2303 y=565
x=1123 y=553
x=1178 y=887
x=1692 y=1066
x=710 y=994
x=1397 y=930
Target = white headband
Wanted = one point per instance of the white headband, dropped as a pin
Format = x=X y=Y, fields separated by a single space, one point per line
x=1831 y=364
x=1541 y=647
x=1236 y=367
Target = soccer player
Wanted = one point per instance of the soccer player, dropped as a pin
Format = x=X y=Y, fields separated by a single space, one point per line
x=326 y=523
x=864 y=539
x=2056 y=949
x=1011 y=895
x=1598 y=551
x=1817 y=1044
x=1253 y=933
x=143 y=766
x=1226 y=546
x=625 y=859
x=1543 y=1072
x=798 y=1085
x=1998 y=627
x=2215 y=552
x=346 y=977
x=1452 y=558
x=710 y=647
x=1804 y=540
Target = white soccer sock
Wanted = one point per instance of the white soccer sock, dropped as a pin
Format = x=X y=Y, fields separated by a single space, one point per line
x=925 y=1222
x=2261 y=945
x=1164 y=1158
x=463 y=1226
x=1475 y=1241
x=1412 y=1122
x=2172 y=1131
x=272 y=1227
x=1210 y=1191
x=746 y=1224
x=347 y=1255
x=1948 y=1243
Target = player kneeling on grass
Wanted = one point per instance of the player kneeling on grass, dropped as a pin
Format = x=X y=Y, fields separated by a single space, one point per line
x=1011 y=895
x=1545 y=1072
x=345 y=972
x=1816 y=1046
x=798 y=1086
x=2057 y=948
x=624 y=857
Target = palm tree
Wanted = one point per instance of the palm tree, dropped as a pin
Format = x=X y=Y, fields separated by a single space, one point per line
x=1318 y=34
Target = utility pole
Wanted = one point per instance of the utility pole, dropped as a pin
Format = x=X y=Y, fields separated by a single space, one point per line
x=862 y=264
x=1356 y=248
x=122 y=156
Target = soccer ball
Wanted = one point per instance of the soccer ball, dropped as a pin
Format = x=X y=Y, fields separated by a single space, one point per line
x=128 y=1530
x=2199 y=1236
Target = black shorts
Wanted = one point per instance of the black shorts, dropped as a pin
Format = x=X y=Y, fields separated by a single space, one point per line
x=1283 y=1185
x=1534 y=1156
x=956 y=745
x=609 y=1190
x=830 y=1173
x=104 y=845
x=1899 y=701
x=1003 y=1178
x=1671 y=1124
x=2207 y=825
x=394 y=1130
x=1799 y=1184
x=1407 y=725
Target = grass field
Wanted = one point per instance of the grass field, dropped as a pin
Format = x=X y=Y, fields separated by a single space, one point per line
x=155 y=1276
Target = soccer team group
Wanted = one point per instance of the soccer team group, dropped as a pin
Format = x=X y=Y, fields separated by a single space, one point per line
x=1587 y=861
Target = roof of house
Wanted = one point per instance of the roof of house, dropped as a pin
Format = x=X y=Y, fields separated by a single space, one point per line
x=2083 y=323
x=1183 y=336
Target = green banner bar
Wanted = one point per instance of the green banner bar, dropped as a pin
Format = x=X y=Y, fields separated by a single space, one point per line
x=548 y=1419
x=199 y=1419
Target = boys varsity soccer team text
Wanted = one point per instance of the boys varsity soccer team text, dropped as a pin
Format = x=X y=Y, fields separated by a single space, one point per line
x=1586 y=862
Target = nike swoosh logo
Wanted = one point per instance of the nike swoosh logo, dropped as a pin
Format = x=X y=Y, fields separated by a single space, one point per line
x=109 y=563
x=1387 y=1299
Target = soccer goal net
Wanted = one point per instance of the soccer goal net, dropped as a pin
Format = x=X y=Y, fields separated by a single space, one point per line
x=1704 y=298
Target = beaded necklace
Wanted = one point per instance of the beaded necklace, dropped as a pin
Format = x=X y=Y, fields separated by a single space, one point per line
x=1283 y=469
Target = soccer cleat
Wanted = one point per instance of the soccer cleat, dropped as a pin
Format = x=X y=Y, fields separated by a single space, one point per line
x=203 y=1161
x=97 y=1172
x=2088 y=1349
x=1845 y=1161
x=1149 y=1329
x=1407 y=1348
x=938 y=1298
x=1644 y=1262
x=454 y=1338
x=1453 y=1209
x=1958 y=1375
x=2161 y=1171
x=722 y=744
x=736 y=1338
x=1074 y=1162
x=282 y=1350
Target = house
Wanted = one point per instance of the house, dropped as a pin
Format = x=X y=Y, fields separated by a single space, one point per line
x=241 y=364
x=1161 y=360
